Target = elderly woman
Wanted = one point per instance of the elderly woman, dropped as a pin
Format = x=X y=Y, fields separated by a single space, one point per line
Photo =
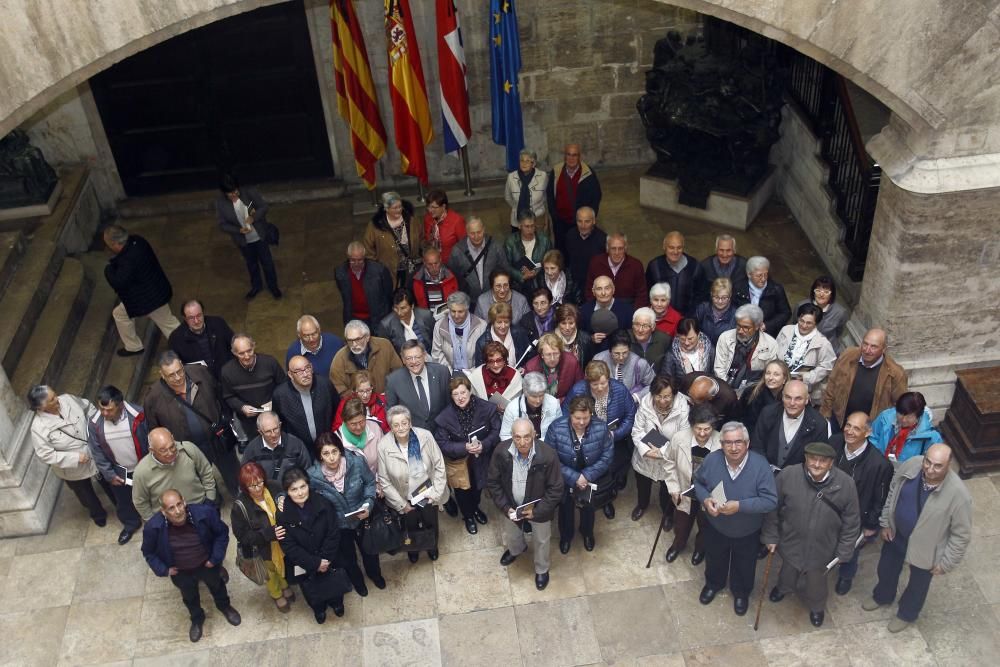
x=575 y=340
x=393 y=237
x=824 y=295
x=495 y=377
x=542 y=317
x=666 y=317
x=343 y=477
x=311 y=542
x=758 y=289
x=767 y=391
x=467 y=430
x=359 y=433
x=443 y=228
x=456 y=334
x=626 y=366
x=500 y=292
x=254 y=518
x=411 y=475
x=904 y=431
x=374 y=403
x=525 y=191
x=525 y=246
x=807 y=353
x=682 y=456
x=615 y=407
x=59 y=435
x=557 y=279
x=516 y=341
x=534 y=404
x=718 y=314
x=690 y=351
x=560 y=369
x=664 y=411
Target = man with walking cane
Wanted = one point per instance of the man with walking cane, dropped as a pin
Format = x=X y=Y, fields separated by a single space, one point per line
x=815 y=526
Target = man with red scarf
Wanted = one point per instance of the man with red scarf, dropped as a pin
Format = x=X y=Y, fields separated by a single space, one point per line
x=572 y=184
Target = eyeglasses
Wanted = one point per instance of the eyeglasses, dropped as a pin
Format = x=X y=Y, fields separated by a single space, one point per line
x=641 y=325
x=358 y=339
x=301 y=371
x=822 y=290
x=732 y=443
x=256 y=485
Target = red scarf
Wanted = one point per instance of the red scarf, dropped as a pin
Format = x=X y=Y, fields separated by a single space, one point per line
x=497 y=383
x=895 y=446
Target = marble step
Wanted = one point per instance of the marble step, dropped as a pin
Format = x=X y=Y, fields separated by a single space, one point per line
x=12 y=247
x=24 y=298
x=97 y=339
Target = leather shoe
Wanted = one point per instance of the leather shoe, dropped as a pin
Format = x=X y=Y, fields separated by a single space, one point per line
x=101 y=523
x=379 y=583
x=816 y=618
x=361 y=589
x=843 y=586
x=672 y=554
x=480 y=516
x=707 y=595
x=232 y=616
x=414 y=556
x=338 y=609
x=433 y=554
x=507 y=558
x=124 y=536
x=697 y=557
x=130 y=353
x=541 y=581
x=740 y=606
x=194 y=634
x=564 y=547
x=776 y=595
x=252 y=293
x=320 y=616
x=609 y=510
x=638 y=512
x=276 y=293
x=588 y=543
x=470 y=525
x=667 y=522
x=451 y=507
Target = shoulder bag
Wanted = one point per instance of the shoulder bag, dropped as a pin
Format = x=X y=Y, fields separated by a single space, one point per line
x=381 y=531
x=252 y=566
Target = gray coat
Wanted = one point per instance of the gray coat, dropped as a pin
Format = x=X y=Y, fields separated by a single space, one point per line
x=461 y=262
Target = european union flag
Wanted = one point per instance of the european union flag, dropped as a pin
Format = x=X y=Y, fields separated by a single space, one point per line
x=505 y=64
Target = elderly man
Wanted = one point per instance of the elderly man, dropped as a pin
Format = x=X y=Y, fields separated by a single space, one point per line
x=318 y=347
x=872 y=474
x=755 y=288
x=248 y=382
x=475 y=258
x=455 y=335
x=501 y=292
x=783 y=431
x=420 y=385
x=703 y=389
x=725 y=263
x=364 y=284
x=202 y=339
x=736 y=488
x=926 y=523
x=534 y=404
x=137 y=278
x=274 y=450
x=187 y=542
x=817 y=519
x=572 y=184
x=624 y=270
x=581 y=243
x=604 y=299
x=864 y=379
x=526 y=471
x=118 y=437
x=242 y=213
x=443 y=228
x=171 y=465
x=679 y=270
x=363 y=352
x=647 y=341
x=185 y=401
x=307 y=402
x=742 y=353
x=406 y=322
x=433 y=282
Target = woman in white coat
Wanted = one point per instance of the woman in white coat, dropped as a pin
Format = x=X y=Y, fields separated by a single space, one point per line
x=807 y=352
x=534 y=404
x=525 y=188
x=664 y=411
x=685 y=452
x=495 y=377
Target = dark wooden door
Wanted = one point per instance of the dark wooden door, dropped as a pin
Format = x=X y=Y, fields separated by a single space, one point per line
x=239 y=94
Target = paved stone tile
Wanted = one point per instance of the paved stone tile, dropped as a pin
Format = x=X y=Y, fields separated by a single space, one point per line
x=192 y=658
x=480 y=638
x=41 y=580
x=409 y=593
x=565 y=580
x=261 y=620
x=340 y=647
x=67 y=528
x=471 y=581
x=271 y=652
x=110 y=572
x=561 y=632
x=969 y=636
x=634 y=623
x=99 y=631
x=980 y=561
x=701 y=625
x=301 y=621
x=411 y=643
x=985 y=507
x=618 y=562
x=670 y=660
x=824 y=647
x=453 y=537
x=903 y=648
x=32 y=637
x=165 y=623
x=747 y=654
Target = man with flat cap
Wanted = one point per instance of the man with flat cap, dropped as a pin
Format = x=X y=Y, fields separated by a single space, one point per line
x=814 y=527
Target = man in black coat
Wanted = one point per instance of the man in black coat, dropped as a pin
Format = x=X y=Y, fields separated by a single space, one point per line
x=242 y=213
x=572 y=184
x=755 y=288
x=202 y=338
x=784 y=430
x=137 y=278
x=367 y=279
x=704 y=388
x=306 y=403
x=679 y=270
x=274 y=449
x=725 y=263
x=581 y=243
x=872 y=473
x=248 y=382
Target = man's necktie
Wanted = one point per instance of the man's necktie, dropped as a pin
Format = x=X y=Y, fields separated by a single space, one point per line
x=421 y=392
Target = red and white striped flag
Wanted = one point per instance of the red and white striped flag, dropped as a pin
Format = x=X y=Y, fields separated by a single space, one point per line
x=451 y=74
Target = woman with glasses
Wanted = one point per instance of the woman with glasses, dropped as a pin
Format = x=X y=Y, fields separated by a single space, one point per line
x=626 y=366
x=359 y=433
x=542 y=318
x=501 y=292
x=718 y=314
x=690 y=351
x=560 y=369
x=823 y=294
x=662 y=411
x=806 y=351
x=495 y=377
x=374 y=402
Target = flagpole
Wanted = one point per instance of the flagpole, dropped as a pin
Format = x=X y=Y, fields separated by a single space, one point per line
x=464 y=152
x=421 y=196
x=375 y=200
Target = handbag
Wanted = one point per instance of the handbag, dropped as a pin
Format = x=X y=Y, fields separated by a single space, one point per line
x=252 y=566
x=457 y=472
x=596 y=498
x=320 y=586
x=419 y=538
x=381 y=531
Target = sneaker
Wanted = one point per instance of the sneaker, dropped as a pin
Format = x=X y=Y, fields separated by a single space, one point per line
x=871 y=605
x=898 y=625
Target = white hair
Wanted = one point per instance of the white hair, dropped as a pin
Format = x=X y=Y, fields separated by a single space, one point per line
x=750 y=312
x=757 y=262
x=660 y=289
x=306 y=319
x=644 y=313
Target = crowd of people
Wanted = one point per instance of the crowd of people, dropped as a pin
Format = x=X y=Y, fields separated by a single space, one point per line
x=540 y=369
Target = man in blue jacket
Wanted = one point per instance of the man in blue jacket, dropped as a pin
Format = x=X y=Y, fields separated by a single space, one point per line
x=188 y=543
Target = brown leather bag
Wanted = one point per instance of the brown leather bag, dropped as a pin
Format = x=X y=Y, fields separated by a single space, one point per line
x=457 y=472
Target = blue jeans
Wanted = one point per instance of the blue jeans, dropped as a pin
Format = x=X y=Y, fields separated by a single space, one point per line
x=850 y=568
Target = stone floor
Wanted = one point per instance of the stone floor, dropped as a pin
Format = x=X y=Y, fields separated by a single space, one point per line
x=73 y=596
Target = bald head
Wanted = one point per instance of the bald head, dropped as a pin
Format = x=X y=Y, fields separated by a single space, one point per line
x=604 y=290
x=703 y=389
x=873 y=345
x=162 y=445
x=937 y=460
x=795 y=396
x=673 y=246
x=522 y=432
x=173 y=507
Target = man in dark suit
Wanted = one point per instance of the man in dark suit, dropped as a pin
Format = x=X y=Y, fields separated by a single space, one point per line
x=755 y=288
x=783 y=431
x=679 y=270
x=421 y=385
x=306 y=403
x=202 y=338
x=581 y=243
x=604 y=299
x=242 y=213
x=725 y=263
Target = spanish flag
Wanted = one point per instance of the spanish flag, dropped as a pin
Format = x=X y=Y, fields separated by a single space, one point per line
x=407 y=90
x=356 y=99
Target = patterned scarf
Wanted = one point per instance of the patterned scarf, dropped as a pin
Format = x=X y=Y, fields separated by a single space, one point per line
x=742 y=355
x=497 y=383
x=524 y=198
x=701 y=355
x=558 y=288
x=277 y=555
x=798 y=347
x=465 y=415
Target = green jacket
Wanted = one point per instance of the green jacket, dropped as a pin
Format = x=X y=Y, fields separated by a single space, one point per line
x=191 y=475
x=514 y=249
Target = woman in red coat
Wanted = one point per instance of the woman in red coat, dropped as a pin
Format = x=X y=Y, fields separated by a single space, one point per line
x=443 y=228
x=375 y=404
x=559 y=367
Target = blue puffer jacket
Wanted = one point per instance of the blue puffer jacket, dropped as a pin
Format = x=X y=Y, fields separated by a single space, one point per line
x=359 y=488
x=884 y=429
x=620 y=406
x=598 y=449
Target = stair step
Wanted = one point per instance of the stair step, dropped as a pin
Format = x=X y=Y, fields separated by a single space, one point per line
x=24 y=298
x=97 y=339
x=12 y=247
x=48 y=347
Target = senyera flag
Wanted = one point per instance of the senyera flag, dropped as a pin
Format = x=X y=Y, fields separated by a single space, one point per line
x=407 y=90
x=451 y=73
x=356 y=100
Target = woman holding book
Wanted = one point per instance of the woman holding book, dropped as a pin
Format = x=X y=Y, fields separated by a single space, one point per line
x=807 y=352
x=662 y=413
x=495 y=380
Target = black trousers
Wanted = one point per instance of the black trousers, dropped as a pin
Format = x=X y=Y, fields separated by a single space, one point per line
x=84 y=491
x=890 y=565
x=468 y=500
x=567 y=518
x=257 y=255
x=370 y=561
x=124 y=507
x=188 y=583
x=347 y=558
x=621 y=462
x=730 y=558
x=644 y=489
x=428 y=515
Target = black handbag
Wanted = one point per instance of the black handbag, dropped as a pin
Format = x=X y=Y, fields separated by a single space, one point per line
x=319 y=586
x=381 y=531
x=605 y=492
x=419 y=538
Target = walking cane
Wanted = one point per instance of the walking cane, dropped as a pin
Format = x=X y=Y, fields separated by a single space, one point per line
x=653 y=551
x=760 y=603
